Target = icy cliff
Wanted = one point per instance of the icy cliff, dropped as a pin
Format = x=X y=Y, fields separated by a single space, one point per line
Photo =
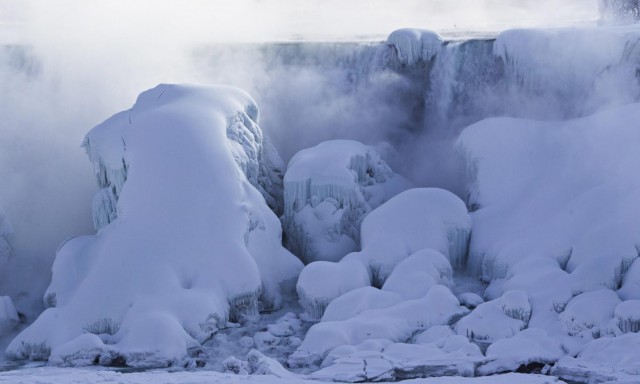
x=328 y=190
x=187 y=241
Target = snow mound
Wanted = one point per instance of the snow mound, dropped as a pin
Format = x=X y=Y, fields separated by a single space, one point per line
x=357 y=301
x=190 y=245
x=580 y=318
x=415 y=45
x=497 y=319
x=329 y=189
x=416 y=274
x=628 y=316
x=630 y=289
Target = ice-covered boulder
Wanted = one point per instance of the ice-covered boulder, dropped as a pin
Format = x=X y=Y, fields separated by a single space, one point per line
x=627 y=315
x=428 y=226
x=414 y=276
x=497 y=319
x=418 y=219
x=396 y=323
x=415 y=45
x=321 y=282
x=329 y=189
x=630 y=289
x=533 y=345
x=588 y=314
x=192 y=243
x=357 y=301
x=603 y=360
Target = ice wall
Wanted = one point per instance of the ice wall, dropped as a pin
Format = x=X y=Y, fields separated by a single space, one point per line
x=194 y=244
x=328 y=190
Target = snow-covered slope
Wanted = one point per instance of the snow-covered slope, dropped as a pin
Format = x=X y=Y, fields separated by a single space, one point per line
x=187 y=241
x=328 y=191
x=557 y=218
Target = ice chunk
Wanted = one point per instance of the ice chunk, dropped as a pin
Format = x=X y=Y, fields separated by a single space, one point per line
x=316 y=292
x=628 y=316
x=416 y=274
x=532 y=345
x=415 y=45
x=588 y=314
x=192 y=245
x=329 y=189
x=497 y=319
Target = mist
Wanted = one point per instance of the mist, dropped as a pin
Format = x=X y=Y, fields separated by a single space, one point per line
x=65 y=66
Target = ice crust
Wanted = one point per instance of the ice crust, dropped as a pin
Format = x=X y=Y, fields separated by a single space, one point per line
x=329 y=189
x=192 y=245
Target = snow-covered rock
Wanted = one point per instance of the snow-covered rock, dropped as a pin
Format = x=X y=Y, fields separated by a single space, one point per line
x=588 y=314
x=497 y=319
x=429 y=226
x=532 y=345
x=191 y=244
x=630 y=289
x=357 y=301
x=329 y=189
x=628 y=316
x=396 y=323
x=603 y=360
x=418 y=219
x=414 y=276
x=415 y=45
x=321 y=282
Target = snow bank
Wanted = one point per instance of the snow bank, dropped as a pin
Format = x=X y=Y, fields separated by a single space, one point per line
x=415 y=45
x=329 y=189
x=191 y=243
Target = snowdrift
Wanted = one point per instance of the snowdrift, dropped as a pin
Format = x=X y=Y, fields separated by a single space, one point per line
x=186 y=243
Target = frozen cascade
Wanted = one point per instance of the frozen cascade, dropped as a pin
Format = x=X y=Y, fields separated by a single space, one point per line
x=415 y=46
x=329 y=190
x=194 y=245
x=6 y=236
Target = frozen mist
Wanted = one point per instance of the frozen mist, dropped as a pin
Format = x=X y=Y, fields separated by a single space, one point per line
x=445 y=205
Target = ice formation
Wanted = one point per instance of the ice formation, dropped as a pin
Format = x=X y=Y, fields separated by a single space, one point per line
x=9 y=317
x=190 y=246
x=329 y=189
x=6 y=236
x=415 y=46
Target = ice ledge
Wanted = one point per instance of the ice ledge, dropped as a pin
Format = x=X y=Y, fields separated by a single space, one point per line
x=415 y=45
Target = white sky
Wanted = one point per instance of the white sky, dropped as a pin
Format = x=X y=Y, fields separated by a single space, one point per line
x=260 y=20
